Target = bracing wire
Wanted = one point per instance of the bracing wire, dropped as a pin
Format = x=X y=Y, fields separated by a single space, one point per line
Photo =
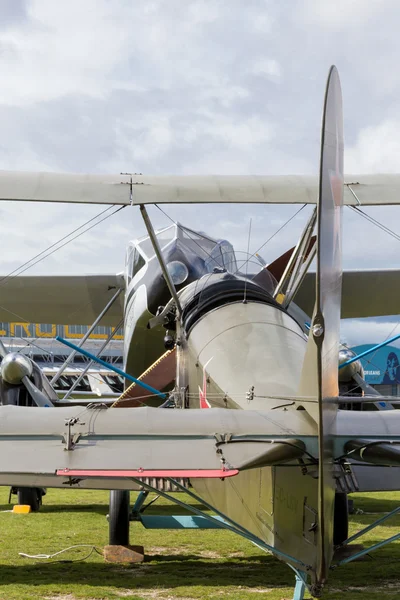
x=274 y=234
x=42 y=255
x=393 y=234
x=4 y=279
x=375 y=222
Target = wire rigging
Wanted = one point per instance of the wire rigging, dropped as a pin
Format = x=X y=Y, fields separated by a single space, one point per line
x=274 y=234
x=375 y=222
x=43 y=256
x=62 y=245
x=396 y=236
x=7 y=277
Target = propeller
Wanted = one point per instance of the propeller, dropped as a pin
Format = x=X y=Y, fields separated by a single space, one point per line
x=3 y=350
x=15 y=369
x=366 y=388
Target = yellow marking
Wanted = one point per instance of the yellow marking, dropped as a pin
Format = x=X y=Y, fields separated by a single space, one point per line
x=117 y=336
x=280 y=298
x=40 y=333
x=69 y=333
x=25 y=327
x=21 y=509
x=35 y=330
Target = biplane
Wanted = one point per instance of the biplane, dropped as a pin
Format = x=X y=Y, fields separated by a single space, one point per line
x=257 y=427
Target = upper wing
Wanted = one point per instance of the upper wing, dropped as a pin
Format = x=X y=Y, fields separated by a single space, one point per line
x=364 y=293
x=146 y=189
x=63 y=300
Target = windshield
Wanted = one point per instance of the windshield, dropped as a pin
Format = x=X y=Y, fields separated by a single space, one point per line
x=164 y=237
x=216 y=254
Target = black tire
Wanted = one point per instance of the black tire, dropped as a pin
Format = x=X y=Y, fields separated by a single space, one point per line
x=118 y=518
x=340 y=519
x=31 y=497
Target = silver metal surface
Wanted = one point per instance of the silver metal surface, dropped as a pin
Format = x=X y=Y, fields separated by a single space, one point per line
x=14 y=367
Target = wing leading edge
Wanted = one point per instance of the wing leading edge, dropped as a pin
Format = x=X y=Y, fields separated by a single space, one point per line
x=366 y=190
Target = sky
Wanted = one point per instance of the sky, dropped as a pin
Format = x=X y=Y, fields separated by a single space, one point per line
x=194 y=87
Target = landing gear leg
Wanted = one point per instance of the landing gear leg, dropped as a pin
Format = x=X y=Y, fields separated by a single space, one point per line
x=300 y=586
x=341 y=519
x=119 y=518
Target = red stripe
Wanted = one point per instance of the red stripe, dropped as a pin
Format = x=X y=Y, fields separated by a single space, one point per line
x=190 y=473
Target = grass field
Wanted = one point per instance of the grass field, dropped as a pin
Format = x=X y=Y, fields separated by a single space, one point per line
x=179 y=564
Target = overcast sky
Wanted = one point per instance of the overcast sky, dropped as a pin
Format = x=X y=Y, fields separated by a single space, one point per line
x=179 y=86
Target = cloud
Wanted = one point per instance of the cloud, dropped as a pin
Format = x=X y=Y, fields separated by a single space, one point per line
x=268 y=68
x=342 y=13
x=356 y=331
x=377 y=149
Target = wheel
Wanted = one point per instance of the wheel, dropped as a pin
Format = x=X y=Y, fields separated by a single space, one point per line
x=340 y=519
x=31 y=497
x=118 y=518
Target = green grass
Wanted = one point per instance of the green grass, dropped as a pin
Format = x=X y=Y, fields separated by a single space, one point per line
x=179 y=564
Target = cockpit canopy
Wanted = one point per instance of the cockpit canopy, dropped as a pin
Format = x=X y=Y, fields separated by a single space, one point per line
x=189 y=255
x=214 y=253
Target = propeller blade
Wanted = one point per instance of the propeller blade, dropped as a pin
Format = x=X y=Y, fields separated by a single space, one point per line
x=3 y=350
x=366 y=388
x=38 y=397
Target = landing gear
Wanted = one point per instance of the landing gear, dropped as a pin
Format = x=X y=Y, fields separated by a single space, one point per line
x=340 y=519
x=31 y=497
x=118 y=518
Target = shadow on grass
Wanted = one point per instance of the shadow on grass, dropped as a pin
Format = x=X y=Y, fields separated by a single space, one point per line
x=103 y=509
x=191 y=570
x=159 y=571
x=378 y=505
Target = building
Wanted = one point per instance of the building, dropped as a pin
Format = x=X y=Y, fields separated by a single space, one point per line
x=381 y=368
x=38 y=342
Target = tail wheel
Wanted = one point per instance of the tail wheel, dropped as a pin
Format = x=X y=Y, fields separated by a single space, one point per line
x=118 y=518
x=341 y=519
x=31 y=497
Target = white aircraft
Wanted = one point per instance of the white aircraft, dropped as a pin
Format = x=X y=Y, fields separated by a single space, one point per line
x=275 y=450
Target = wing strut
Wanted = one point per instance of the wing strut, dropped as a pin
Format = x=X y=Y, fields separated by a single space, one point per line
x=85 y=337
x=157 y=250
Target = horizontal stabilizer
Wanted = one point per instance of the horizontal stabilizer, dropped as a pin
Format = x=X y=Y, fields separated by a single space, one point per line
x=106 y=444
